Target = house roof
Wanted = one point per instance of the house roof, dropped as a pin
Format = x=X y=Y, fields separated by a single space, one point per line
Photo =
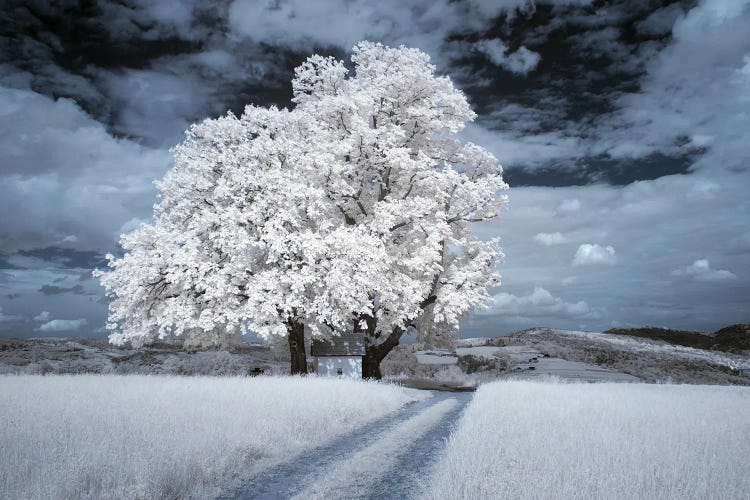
x=346 y=344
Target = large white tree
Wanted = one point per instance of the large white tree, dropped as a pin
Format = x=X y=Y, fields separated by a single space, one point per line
x=353 y=210
x=401 y=171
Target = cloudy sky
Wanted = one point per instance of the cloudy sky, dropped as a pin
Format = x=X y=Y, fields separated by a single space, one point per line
x=623 y=127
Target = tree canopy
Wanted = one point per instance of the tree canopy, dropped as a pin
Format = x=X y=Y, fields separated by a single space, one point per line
x=354 y=209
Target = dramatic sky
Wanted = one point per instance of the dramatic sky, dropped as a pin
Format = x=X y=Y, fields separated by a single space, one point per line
x=623 y=127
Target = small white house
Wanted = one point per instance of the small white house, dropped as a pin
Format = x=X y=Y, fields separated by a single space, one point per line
x=339 y=357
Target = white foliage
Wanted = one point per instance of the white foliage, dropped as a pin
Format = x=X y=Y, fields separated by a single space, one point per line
x=357 y=201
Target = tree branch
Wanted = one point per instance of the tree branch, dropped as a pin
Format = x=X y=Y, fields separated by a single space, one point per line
x=400 y=225
x=461 y=218
x=411 y=186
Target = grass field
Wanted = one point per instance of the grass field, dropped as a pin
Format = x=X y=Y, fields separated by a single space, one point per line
x=539 y=440
x=108 y=436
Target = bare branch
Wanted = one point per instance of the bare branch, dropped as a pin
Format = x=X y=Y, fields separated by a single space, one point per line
x=361 y=208
x=411 y=186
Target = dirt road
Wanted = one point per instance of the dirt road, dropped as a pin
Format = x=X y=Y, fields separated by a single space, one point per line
x=385 y=459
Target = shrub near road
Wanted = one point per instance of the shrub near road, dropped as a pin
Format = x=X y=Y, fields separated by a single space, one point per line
x=527 y=440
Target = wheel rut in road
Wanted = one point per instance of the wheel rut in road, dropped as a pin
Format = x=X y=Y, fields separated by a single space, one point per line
x=384 y=459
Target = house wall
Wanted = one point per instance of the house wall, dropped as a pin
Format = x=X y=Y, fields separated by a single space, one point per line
x=350 y=366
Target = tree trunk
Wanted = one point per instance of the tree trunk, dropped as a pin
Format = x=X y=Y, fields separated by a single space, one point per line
x=370 y=365
x=375 y=353
x=297 y=347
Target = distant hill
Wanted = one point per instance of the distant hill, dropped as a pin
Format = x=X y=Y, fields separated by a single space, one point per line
x=649 y=358
x=734 y=338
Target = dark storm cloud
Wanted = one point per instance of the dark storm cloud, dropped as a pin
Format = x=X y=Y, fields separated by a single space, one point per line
x=66 y=257
x=560 y=112
x=144 y=69
x=57 y=290
x=623 y=119
x=601 y=169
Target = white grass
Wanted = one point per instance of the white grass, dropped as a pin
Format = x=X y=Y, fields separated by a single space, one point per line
x=534 y=440
x=107 y=436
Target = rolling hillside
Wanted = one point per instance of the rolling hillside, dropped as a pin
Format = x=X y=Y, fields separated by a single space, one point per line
x=734 y=338
x=648 y=360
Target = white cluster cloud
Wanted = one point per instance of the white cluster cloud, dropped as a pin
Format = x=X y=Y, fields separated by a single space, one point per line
x=42 y=316
x=549 y=239
x=701 y=270
x=594 y=254
x=62 y=325
x=539 y=304
x=521 y=61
